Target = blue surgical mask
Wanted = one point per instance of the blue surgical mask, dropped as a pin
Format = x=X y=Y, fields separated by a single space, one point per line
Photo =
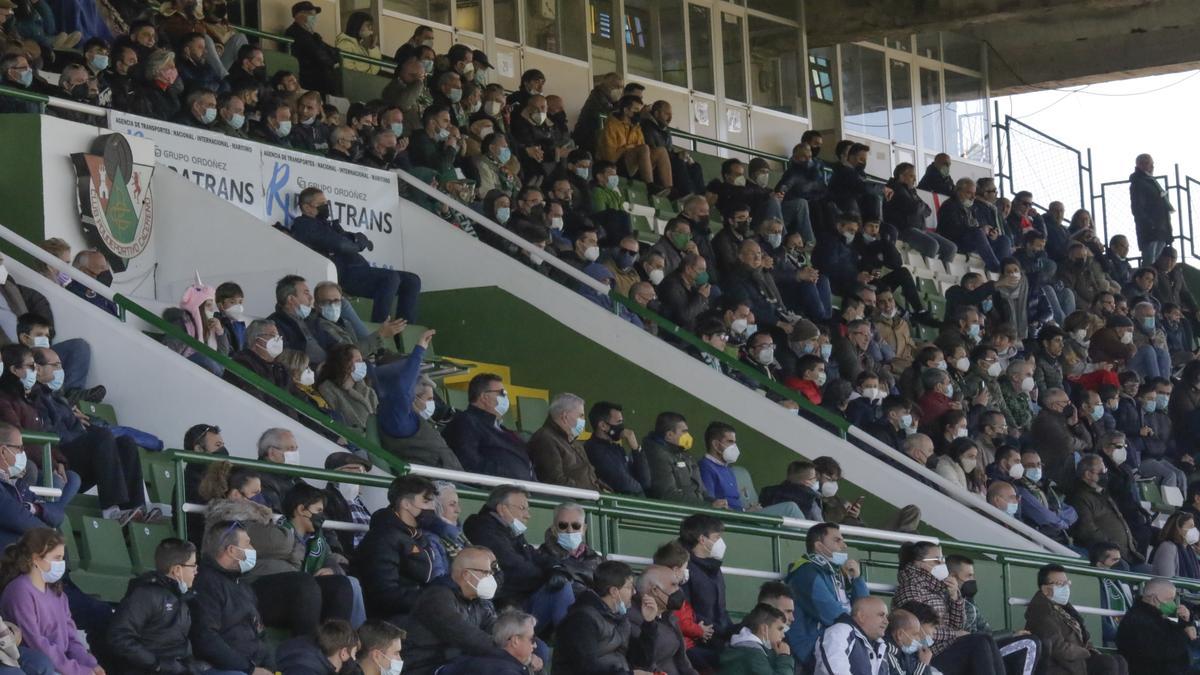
x=583 y=172
x=100 y=62
x=1097 y=412
x=26 y=77
x=1163 y=401
x=455 y=95
x=285 y=128
x=973 y=331
x=442 y=134
x=839 y=558
x=504 y=155
x=1148 y=323
x=949 y=391
x=210 y=115
x=1034 y=475
x=986 y=305
x=1150 y=406
x=614 y=182
x=927 y=641
x=570 y=540
x=359 y=373
x=912 y=647
x=303 y=311
x=237 y=121
x=578 y=428
x=60 y=376
x=906 y=420
x=1011 y=508
x=826 y=351
x=503 y=214
x=29 y=379
x=398 y=129
x=622 y=608
x=331 y=312
x=1061 y=595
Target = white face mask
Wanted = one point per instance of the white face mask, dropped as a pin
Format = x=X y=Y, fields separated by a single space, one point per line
x=963 y=364
x=275 y=346
x=427 y=411
x=1192 y=536
x=731 y=454
x=395 y=666
x=829 y=488
x=1127 y=338
x=41 y=341
x=1016 y=471
x=870 y=393
x=940 y=572
x=994 y=370
x=718 y=549
x=486 y=587
x=235 y=311
x=656 y=276
x=1027 y=385
x=292 y=457
x=349 y=491
x=307 y=377
x=968 y=465
x=18 y=467
x=1120 y=455
x=591 y=253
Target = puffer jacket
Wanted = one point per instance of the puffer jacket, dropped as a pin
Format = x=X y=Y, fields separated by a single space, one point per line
x=595 y=640
x=149 y=631
x=581 y=563
x=444 y=624
x=227 y=629
x=278 y=549
x=525 y=568
x=394 y=561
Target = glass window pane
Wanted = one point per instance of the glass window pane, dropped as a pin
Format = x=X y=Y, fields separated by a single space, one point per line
x=433 y=10
x=603 y=27
x=864 y=91
x=965 y=116
x=820 y=73
x=776 y=66
x=508 y=26
x=927 y=45
x=931 y=110
x=962 y=51
x=556 y=26
x=901 y=42
x=654 y=44
x=700 y=29
x=735 y=61
x=902 y=101
x=788 y=9
x=468 y=15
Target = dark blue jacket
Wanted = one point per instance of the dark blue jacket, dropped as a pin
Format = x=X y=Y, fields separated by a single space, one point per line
x=296 y=335
x=848 y=189
x=329 y=239
x=935 y=181
x=92 y=297
x=302 y=656
x=802 y=181
x=799 y=494
x=834 y=258
x=862 y=412
x=484 y=446
x=15 y=517
x=525 y=568
x=492 y=665
x=199 y=75
x=705 y=589
x=58 y=416
x=396 y=415
x=1130 y=420
x=627 y=474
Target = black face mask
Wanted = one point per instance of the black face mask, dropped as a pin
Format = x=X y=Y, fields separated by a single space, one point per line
x=224 y=452
x=323 y=211
x=816 y=150
x=105 y=278
x=318 y=519
x=538 y=211
x=675 y=601
x=1068 y=411
x=1102 y=481
x=626 y=259
x=427 y=519
x=79 y=92
x=260 y=73
x=969 y=589
x=654 y=306
x=615 y=431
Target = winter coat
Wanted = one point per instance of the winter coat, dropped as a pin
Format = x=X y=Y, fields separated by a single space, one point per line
x=485 y=446
x=149 y=631
x=1151 y=208
x=914 y=583
x=1064 y=638
x=525 y=568
x=356 y=405
x=954 y=221
x=302 y=656
x=560 y=460
x=823 y=594
x=666 y=652
x=1053 y=437
x=627 y=474
x=705 y=591
x=616 y=137
x=594 y=640
x=1151 y=643
x=581 y=563
x=227 y=630
x=681 y=302
x=674 y=473
x=897 y=333
x=1100 y=521
x=1087 y=280
x=936 y=181
x=443 y=625
x=393 y=562
x=278 y=549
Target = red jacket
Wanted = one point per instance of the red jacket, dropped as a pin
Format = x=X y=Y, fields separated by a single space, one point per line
x=19 y=413
x=933 y=404
x=692 y=632
x=807 y=387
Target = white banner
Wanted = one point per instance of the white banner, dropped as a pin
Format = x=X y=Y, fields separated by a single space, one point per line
x=229 y=168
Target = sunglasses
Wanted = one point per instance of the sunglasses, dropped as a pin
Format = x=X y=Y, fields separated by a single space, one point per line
x=574 y=527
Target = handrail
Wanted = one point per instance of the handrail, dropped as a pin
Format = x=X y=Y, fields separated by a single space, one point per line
x=47 y=441
x=53 y=101
x=500 y=231
x=770 y=385
x=1082 y=609
x=55 y=263
x=283 y=39
x=261 y=384
x=695 y=138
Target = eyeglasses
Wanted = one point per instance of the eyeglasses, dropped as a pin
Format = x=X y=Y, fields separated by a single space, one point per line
x=936 y=560
x=498 y=392
x=574 y=527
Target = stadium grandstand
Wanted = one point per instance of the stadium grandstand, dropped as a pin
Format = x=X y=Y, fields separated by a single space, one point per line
x=588 y=337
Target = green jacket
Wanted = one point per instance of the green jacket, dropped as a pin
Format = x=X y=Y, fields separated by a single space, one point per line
x=604 y=199
x=754 y=659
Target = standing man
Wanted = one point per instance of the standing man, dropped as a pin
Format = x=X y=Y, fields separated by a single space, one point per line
x=1151 y=209
x=317 y=59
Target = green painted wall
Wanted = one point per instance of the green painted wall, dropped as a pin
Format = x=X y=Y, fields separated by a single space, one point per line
x=21 y=207
x=492 y=325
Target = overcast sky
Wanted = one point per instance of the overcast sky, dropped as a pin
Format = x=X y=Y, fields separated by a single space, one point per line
x=1117 y=120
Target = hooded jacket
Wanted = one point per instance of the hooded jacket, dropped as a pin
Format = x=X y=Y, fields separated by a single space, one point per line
x=747 y=655
x=149 y=631
x=823 y=594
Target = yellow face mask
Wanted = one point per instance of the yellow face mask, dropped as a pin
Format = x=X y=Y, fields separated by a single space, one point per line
x=685 y=441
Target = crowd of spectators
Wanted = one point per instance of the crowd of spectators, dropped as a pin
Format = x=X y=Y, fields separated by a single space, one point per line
x=1048 y=391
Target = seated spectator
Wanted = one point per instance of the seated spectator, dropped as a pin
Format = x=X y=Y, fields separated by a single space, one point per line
x=496 y=169
x=1173 y=555
x=304 y=379
x=622 y=142
x=824 y=583
x=1042 y=504
x=315 y=229
x=1156 y=634
x=1099 y=518
x=331 y=649
x=532 y=579
x=275 y=122
x=961 y=466
x=263 y=345
x=343 y=501
x=1115 y=594
x=937 y=176
x=436 y=144
x=153 y=94
x=801 y=488
x=311 y=134
x=704 y=589
x=905 y=640
x=557 y=455
x=359 y=38
x=624 y=473
x=99 y=459
x=278 y=446
x=293 y=304
x=674 y=474
x=1021 y=652
x=849 y=189
x=21 y=511
x=379 y=648
x=1002 y=496
x=194 y=67
x=342 y=383
x=809 y=377
x=397 y=557
x=34 y=600
x=1051 y=617
x=481 y=442
x=513 y=634
x=534 y=138
x=566 y=541
x=1055 y=434
x=454 y=615
x=95 y=265
x=197 y=316
x=226 y=626
x=149 y=632
x=857 y=635
x=318 y=60
x=597 y=636
x=925 y=578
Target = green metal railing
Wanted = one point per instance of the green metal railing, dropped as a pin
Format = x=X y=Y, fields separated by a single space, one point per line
x=346 y=56
x=611 y=515
x=665 y=326
x=302 y=407
x=47 y=442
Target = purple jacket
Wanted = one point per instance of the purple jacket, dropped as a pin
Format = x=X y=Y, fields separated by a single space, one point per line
x=47 y=625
